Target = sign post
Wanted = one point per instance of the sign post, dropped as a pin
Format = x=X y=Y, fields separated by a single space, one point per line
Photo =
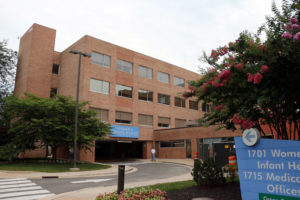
x=268 y=169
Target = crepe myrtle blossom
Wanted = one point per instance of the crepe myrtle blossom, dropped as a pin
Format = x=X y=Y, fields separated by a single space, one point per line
x=297 y=36
x=239 y=66
x=213 y=54
x=250 y=77
x=288 y=27
x=257 y=78
x=219 y=107
x=264 y=69
x=295 y=27
x=294 y=20
x=226 y=74
x=261 y=47
x=287 y=35
x=247 y=124
x=236 y=120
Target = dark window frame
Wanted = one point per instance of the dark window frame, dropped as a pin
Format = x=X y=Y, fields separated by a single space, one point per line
x=192 y=103
x=123 y=94
x=55 y=68
x=123 y=121
x=147 y=70
x=148 y=99
x=121 y=67
x=146 y=120
x=176 y=78
x=100 y=63
x=166 y=102
x=181 y=102
x=163 y=125
x=172 y=144
x=53 y=92
x=160 y=78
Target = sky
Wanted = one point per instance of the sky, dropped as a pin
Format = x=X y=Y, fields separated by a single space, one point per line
x=175 y=31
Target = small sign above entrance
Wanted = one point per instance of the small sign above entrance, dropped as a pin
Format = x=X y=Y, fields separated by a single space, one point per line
x=125 y=131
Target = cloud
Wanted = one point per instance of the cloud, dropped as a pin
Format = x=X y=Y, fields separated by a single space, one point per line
x=174 y=31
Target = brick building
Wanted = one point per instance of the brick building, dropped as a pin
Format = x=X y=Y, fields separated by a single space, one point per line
x=137 y=94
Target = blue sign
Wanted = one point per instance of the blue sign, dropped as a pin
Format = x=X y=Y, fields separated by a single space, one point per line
x=269 y=170
x=125 y=131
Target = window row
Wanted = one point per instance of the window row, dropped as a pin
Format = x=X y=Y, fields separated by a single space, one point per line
x=145 y=95
x=125 y=66
x=147 y=120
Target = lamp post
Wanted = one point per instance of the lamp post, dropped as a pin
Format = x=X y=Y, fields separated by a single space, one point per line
x=76 y=107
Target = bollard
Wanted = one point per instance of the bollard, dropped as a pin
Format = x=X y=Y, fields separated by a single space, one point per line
x=121 y=176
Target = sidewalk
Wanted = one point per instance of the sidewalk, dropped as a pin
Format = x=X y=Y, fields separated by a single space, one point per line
x=91 y=193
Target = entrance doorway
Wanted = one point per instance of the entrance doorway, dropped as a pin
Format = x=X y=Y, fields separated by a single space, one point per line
x=217 y=148
x=118 y=150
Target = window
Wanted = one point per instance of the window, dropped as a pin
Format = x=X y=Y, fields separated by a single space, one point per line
x=123 y=117
x=180 y=123
x=124 y=66
x=163 y=77
x=164 y=122
x=206 y=107
x=174 y=143
x=53 y=92
x=146 y=120
x=179 y=102
x=193 y=105
x=178 y=81
x=102 y=114
x=123 y=91
x=55 y=68
x=164 y=99
x=145 y=95
x=100 y=59
x=99 y=86
x=145 y=72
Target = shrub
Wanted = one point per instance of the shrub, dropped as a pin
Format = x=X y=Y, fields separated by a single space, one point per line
x=232 y=172
x=135 y=194
x=207 y=173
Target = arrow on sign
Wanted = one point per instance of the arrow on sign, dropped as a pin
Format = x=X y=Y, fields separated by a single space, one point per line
x=91 y=181
x=249 y=136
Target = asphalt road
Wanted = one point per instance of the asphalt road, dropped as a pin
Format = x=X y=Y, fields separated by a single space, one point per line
x=145 y=172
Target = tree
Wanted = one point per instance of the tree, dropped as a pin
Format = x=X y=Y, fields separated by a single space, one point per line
x=8 y=60
x=254 y=83
x=50 y=122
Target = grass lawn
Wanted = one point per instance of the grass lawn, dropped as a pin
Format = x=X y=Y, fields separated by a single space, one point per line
x=171 y=186
x=50 y=167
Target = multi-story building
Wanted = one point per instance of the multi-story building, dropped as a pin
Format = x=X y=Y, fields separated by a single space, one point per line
x=135 y=93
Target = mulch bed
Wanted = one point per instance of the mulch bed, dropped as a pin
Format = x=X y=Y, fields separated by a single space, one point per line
x=226 y=192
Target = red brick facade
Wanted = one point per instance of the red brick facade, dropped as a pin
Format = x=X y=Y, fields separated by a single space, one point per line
x=34 y=75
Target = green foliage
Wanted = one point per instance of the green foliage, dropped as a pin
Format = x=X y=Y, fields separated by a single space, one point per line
x=8 y=60
x=207 y=173
x=8 y=152
x=254 y=83
x=232 y=171
x=39 y=122
x=135 y=194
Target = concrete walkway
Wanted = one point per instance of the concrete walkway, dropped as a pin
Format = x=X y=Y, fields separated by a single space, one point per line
x=91 y=193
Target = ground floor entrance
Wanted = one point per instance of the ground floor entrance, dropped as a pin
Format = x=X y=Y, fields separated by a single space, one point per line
x=116 y=150
x=217 y=148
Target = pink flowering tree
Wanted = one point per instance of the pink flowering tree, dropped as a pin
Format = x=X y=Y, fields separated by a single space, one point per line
x=253 y=83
